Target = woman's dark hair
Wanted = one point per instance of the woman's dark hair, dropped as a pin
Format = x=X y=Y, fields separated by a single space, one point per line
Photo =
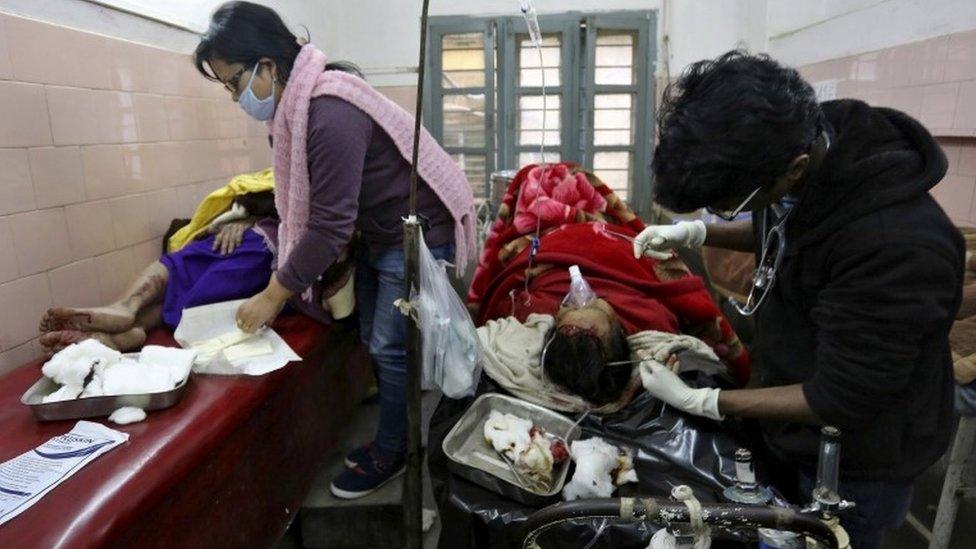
x=243 y=32
x=578 y=363
x=730 y=125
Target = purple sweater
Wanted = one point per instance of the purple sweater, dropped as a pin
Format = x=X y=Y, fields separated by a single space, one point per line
x=359 y=182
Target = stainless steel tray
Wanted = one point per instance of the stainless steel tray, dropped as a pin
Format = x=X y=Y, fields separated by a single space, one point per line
x=472 y=456
x=94 y=406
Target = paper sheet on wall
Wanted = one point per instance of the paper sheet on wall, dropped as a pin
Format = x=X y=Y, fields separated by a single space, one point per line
x=25 y=479
x=219 y=320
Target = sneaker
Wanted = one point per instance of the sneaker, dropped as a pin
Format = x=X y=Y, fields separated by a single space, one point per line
x=366 y=477
x=359 y=455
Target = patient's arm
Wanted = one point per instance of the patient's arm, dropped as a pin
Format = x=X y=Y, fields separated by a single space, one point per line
x=784 y=403
x=736 y=235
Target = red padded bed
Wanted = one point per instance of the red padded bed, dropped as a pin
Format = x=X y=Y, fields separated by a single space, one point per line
x=228 y=466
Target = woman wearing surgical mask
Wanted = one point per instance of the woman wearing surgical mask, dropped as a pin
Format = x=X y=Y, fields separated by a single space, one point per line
x=342 y=164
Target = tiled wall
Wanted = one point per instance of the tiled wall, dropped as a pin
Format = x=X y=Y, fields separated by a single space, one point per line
x=933 y=80
x=102 y=143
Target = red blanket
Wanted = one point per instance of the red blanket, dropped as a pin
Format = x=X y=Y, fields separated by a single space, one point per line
x=646 y=294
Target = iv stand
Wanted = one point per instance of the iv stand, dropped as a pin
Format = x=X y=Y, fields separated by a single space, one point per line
x=413 y=485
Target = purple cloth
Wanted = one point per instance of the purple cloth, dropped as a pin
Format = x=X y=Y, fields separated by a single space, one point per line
x=358 y=181
x=200 y=276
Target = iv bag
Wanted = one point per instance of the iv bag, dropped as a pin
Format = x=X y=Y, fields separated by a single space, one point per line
x=450 y=348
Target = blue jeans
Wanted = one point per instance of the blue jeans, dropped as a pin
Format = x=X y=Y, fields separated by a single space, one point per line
x=880 y=506
x=380 y=282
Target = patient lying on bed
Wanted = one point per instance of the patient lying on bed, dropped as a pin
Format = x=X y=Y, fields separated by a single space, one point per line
x=637 y=295
x=230 y=261
x=223 y=254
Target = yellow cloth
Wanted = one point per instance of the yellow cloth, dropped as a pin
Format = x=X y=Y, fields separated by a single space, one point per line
x=219 y=202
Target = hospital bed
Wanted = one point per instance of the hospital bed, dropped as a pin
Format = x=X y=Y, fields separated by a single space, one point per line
x=228 y=466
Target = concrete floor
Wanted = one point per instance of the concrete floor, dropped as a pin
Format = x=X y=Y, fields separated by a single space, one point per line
x=322 y=514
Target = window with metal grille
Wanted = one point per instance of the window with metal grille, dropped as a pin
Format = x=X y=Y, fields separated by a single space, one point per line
x=486 y=104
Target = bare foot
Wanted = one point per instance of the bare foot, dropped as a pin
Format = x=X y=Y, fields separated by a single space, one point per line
x=111 y=319
x=130 y=340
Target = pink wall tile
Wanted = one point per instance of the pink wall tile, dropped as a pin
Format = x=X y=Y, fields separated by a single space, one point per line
x=961 y=57
x=104 y=171
x=145 y=253
x=52 y=54
x=6 y=69
x=73 y=117
x=40 y=240
x=181 y=118
x=130 y=220
x=939 y=105
x=965 y=161
x=955 y=194
x=165 y=205
x=8 y=255
x=75 y=285
x=19 y=356
x=30 y=298
x=151 y=121
x=24 y=115
x=231 y=120
x=952 y=153
x=16 y=190
x=115 y=273
x=165 y=163
x=966 y=105
x=116 y=116
x=136 y=170
x=406 y=96
x=90 y=229
x=931 y=62
x=163 y=76
x=907 y=100
x=127 y=68
x=205 y=113
x=58 y=176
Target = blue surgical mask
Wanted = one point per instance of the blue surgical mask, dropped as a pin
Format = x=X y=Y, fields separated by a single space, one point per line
x=260 y=109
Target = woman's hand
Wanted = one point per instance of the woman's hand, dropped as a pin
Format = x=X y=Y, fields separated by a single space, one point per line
x=229 y=236
x=262 y=309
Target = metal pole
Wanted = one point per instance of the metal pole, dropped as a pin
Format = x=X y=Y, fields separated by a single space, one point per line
x=960 y=459
x=413 y=486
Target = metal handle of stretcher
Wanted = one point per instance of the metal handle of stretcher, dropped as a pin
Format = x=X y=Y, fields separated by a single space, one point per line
x=663 y=512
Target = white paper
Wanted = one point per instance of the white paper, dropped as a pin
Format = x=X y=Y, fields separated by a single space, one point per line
x=210 y=321
x=26 y=478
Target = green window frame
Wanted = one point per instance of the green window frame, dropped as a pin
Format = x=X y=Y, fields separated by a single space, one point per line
x=593 y=95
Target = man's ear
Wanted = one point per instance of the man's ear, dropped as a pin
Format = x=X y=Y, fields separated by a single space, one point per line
x=797 y=167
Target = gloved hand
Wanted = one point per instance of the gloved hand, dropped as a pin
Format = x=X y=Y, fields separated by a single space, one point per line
x=657 y=241
x=665 y=385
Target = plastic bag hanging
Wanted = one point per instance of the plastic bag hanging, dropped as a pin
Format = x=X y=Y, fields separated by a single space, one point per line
x=450 y=347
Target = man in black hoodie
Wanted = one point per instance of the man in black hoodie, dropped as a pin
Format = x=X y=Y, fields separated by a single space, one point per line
x=864 y=278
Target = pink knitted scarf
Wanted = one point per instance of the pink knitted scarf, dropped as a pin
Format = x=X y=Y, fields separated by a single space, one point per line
x=308 y=79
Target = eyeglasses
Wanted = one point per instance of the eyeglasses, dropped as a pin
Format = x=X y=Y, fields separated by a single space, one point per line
x=763 y=278
x=730 y=215
x=234 y=82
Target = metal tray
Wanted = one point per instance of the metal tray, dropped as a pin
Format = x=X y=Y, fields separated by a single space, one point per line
x=94 y=406
x=472 y=457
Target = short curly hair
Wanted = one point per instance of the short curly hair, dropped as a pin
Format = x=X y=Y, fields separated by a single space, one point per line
x=729 y=125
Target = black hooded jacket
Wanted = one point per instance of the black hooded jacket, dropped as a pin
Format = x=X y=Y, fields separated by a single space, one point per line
x=864 y=299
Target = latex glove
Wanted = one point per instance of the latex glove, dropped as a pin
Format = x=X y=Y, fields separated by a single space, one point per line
x=665 y=385
x=657 y=241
